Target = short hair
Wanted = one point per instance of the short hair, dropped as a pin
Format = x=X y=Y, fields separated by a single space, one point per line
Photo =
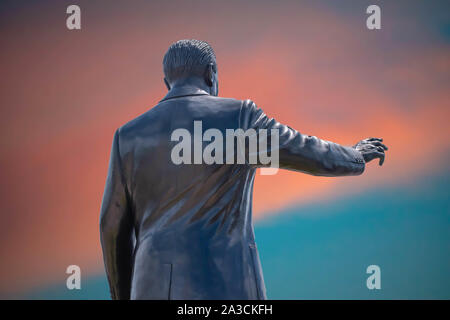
x=188 y=58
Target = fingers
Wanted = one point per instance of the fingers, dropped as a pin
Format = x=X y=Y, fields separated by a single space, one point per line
x=381 y=159
x=372 y=148
x=379 y=144
x=381 y=156
x=374 y=153
x=380 y=147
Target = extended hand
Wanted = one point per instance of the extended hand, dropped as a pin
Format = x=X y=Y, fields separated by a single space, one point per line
x=371 y=148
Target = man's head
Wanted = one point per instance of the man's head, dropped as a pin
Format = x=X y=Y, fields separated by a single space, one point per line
x=190 y=59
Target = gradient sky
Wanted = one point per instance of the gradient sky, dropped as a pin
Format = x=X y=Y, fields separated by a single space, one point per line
x=310 y=64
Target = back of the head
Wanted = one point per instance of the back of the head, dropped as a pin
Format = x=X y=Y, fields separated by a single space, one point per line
x=188 y=58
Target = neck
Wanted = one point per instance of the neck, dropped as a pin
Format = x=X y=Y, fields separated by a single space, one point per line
x=191 y=84
x=186 y=88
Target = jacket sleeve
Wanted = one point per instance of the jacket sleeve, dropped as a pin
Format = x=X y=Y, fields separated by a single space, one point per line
x=300 y=152
x=116 y=228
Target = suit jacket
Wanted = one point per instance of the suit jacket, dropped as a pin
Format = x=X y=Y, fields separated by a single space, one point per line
x=185 y=231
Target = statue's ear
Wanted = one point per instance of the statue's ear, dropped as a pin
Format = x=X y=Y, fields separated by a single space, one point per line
x=167 y=84
x=209 y=74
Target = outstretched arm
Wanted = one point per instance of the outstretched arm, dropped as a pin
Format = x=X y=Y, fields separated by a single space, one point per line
x=310 y=154
x=116 y=228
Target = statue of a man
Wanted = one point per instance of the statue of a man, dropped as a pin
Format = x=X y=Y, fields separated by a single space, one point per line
x=182 y=229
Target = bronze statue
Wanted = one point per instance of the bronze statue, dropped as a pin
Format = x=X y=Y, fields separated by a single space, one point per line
x=181 y=229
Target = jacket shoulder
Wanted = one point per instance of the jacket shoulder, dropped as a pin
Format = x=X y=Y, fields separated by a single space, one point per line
x=156 y=117
x=141 y=121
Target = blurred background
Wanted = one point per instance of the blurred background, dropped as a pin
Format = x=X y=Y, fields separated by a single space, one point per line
x=310 y=64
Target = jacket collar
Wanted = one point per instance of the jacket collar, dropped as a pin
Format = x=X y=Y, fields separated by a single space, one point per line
x=184 y=92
